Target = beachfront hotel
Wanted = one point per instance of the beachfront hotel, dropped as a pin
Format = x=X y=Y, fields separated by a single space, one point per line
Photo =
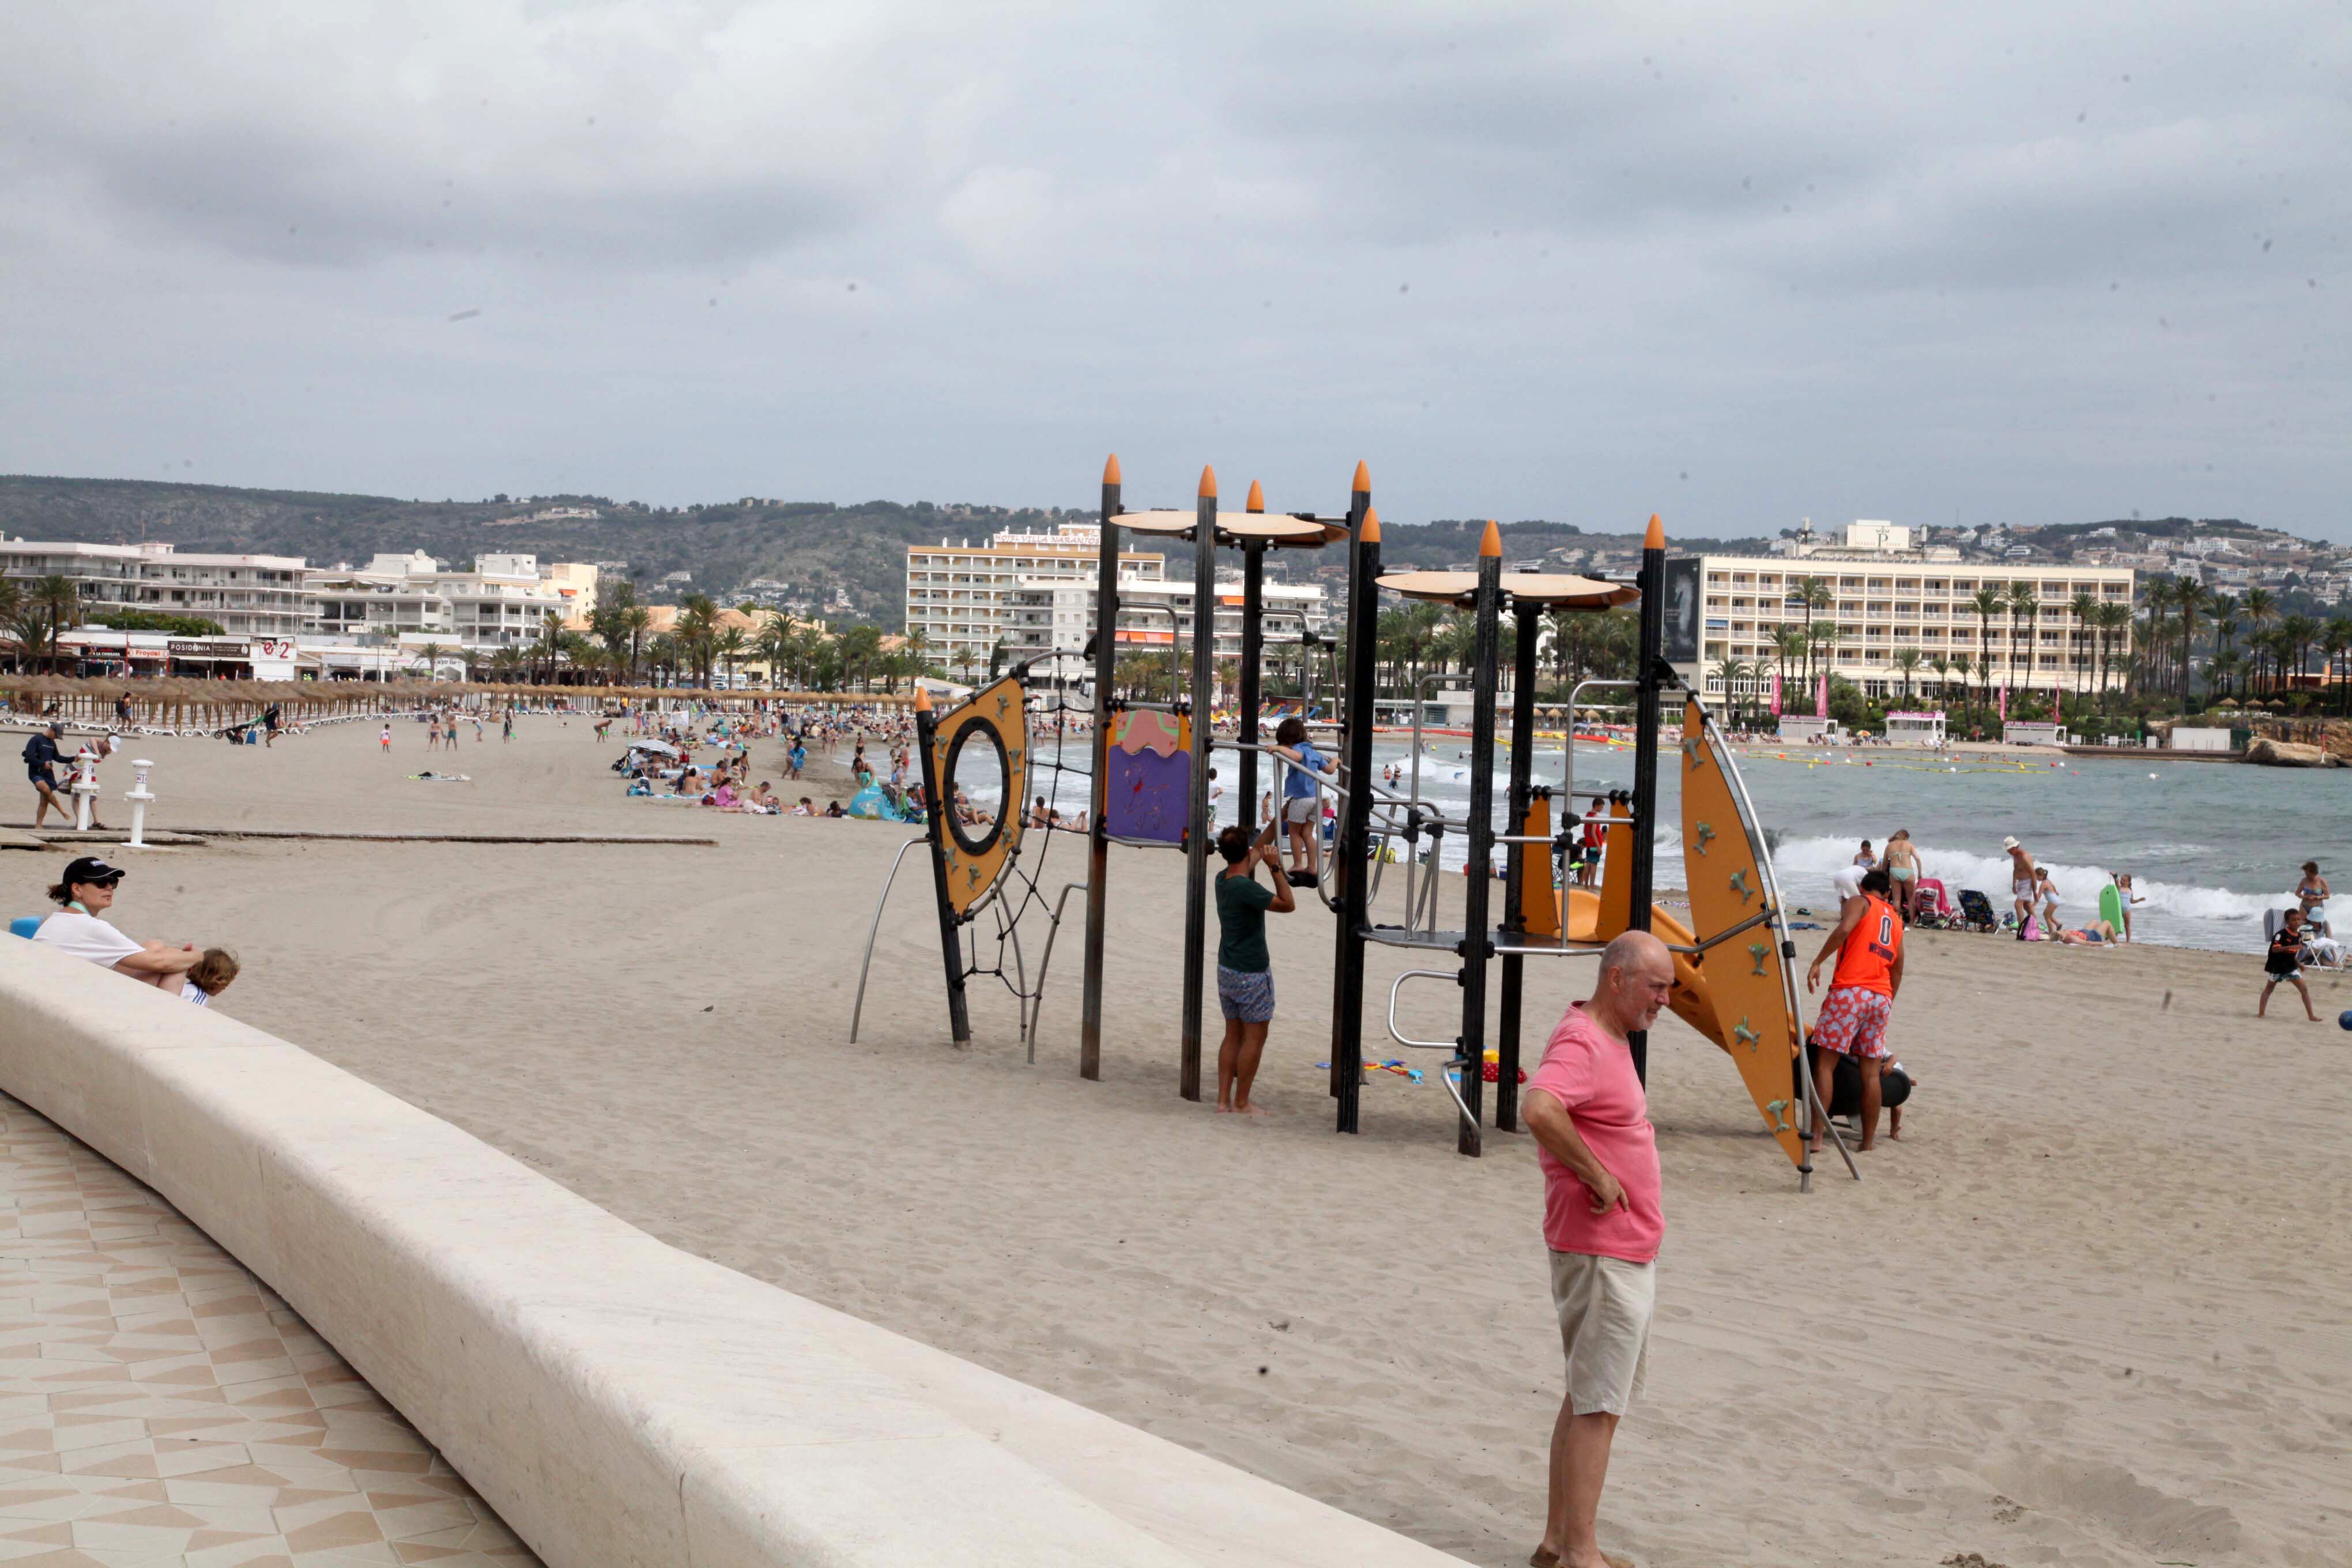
x=1890 y=596
x=249 y=596
x=957 y=594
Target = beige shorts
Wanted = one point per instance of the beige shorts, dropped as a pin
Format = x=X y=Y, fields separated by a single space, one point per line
x=1605 y=1305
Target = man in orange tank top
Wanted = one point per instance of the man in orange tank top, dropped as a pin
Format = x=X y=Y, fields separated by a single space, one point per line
x=1854 y=1016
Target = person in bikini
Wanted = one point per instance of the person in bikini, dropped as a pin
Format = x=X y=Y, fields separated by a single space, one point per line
x=1901 y=863
x=2022 y=881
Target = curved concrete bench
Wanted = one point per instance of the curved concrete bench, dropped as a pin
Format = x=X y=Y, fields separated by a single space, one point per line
x=619 y=1401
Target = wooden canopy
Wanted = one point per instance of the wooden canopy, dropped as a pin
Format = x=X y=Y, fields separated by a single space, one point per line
x=1548 y=590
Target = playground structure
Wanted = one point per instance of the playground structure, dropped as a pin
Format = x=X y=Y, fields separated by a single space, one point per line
x=1734 y=975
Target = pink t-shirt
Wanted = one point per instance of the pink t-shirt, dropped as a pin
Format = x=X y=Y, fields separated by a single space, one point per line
x=1591 y=1073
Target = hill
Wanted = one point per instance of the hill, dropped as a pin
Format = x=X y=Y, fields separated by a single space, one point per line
x=845 y=560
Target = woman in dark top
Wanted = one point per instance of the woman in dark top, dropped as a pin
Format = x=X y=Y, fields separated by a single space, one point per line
x=2286 y=962
x=1245 y=972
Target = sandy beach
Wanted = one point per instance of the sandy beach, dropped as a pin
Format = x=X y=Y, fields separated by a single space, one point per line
x=2091 y=1310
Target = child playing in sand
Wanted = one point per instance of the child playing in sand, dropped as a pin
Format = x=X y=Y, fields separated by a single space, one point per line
x=1245 y=972
x=209 y=977
x=2284 y=961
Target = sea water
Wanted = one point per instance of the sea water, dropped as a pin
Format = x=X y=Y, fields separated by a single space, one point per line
x=2210 y=846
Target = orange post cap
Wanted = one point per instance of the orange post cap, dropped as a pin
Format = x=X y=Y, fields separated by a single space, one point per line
x=1110 y=469
x=1363 y=485
x=1491 y=541
x=1256 y=501
x=1657 y=538
x=1208 y=482
x=1371 y=532
x=922 y=699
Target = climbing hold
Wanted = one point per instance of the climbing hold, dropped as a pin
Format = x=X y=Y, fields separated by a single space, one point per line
x=1705 y=833
x=1760 y=952
x=1742 y=1032
x=1739 y=885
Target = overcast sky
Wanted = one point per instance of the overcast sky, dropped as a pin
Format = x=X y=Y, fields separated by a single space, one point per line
x=1739 y=264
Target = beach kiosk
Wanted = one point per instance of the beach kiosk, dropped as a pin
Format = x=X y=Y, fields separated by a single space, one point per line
x=1915 y=728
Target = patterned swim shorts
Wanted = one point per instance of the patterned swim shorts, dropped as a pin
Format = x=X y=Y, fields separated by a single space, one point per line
x=1853 y=1022
x=1246 y=995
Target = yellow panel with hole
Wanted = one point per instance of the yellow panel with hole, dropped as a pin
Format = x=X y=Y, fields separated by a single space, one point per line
x=976 y=854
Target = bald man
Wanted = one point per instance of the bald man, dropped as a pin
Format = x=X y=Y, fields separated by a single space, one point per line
x=1603 y=1219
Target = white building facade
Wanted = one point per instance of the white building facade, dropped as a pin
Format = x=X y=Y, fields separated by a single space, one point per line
x=1890 y=600
x=958 y=593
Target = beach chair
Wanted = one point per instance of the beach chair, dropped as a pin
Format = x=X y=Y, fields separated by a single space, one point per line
x=1929 y=905
x=1976 y=911
x=2318 y=951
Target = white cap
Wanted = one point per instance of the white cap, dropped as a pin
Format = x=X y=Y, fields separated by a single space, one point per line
x=1848 y=882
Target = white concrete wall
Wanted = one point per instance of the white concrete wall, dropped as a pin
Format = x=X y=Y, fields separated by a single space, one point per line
x=619 y=1401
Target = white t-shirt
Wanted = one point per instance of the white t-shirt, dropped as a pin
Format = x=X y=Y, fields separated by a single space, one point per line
x=86 y=936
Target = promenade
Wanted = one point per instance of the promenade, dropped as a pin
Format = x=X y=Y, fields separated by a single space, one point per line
x=159 y=1406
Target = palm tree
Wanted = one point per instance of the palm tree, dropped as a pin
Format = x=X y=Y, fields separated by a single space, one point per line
x=1960 y=662
x=2335 y=640
x=777 y=644
x=1789 y=644
x=2084 y=607
x=1986 y=601
x=433 y=653
x=1822 y=640
x=2190 y=600
x=2262 y=609
x=728 y=647
x=1812 y=593
x=2296 y=634
x=1942 y=667
x=2023 y=605
x=1907 y=661
x=2225 y=632
x=1730 y=671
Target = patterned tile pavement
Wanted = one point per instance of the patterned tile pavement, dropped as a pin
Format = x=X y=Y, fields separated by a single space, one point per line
x=159 y=1406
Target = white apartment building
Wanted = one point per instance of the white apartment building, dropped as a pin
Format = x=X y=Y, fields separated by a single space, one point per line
x=1887 y=600
x=1059 y=616
x=956 y=593
x=249 y=596
x=504 y=601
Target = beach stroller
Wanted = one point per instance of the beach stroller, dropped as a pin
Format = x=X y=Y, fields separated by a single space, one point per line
x=1976 y=911
x=1929 y=905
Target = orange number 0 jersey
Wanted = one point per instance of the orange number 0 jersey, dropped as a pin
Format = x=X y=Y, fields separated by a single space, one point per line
x=1867 y=961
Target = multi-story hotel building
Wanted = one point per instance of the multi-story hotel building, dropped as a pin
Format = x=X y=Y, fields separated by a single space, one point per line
x=249 y=596
x=957 y=595
x=1887 y=597
x=1058 y=616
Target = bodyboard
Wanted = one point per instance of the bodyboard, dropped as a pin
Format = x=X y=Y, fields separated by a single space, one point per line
x=2111 y=906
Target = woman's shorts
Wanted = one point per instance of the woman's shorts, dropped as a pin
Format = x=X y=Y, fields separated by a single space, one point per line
x=1245 y=995
x=1853 y=1022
